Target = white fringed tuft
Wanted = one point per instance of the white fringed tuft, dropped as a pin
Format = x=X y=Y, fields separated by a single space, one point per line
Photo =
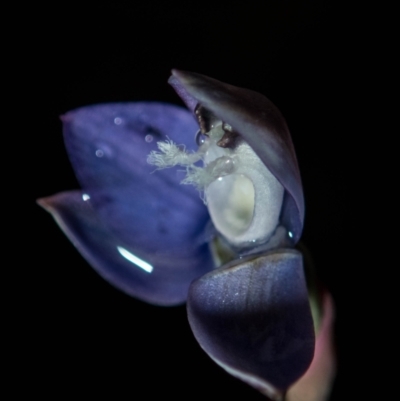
x=171 y=154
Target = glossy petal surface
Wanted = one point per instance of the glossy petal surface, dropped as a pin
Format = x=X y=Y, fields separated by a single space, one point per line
x=254 y=319
x=147 y=209
x=262 y=126
x=162 y=281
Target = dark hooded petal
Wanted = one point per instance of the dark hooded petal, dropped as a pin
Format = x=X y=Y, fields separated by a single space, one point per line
x=154 y=278
x=253 y=318
x=189 y=100
x=262 y=126
x=150 y=210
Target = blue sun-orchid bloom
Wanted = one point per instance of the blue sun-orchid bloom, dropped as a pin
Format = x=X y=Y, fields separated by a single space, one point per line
x=152 y=237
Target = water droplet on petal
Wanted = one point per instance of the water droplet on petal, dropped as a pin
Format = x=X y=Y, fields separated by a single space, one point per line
x=103 y=150
x=117 y=120
x=148 y=138
x=200 y=138
x=85 y=197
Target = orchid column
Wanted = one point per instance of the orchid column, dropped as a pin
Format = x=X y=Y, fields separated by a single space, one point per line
x=252 y=314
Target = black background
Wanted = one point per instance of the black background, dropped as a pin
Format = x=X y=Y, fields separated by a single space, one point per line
x=306 y=56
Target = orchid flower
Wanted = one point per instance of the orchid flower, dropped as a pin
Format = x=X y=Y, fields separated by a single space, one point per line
x=206 y=210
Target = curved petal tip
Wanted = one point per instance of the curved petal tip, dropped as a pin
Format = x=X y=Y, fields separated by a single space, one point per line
x=149 y=276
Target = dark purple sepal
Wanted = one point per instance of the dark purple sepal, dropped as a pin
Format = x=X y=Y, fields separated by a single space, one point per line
x=165 y=283
x=257 y=120
x=189 y=100
x=253 y=318
x=150 y=210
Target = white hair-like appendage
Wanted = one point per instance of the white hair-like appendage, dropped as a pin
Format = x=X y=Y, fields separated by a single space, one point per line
x=171 y=154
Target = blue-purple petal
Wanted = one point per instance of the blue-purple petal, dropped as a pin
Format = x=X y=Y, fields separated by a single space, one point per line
x=153 y=277
x=253 y=318
x=108 y=147
x=261 y=124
